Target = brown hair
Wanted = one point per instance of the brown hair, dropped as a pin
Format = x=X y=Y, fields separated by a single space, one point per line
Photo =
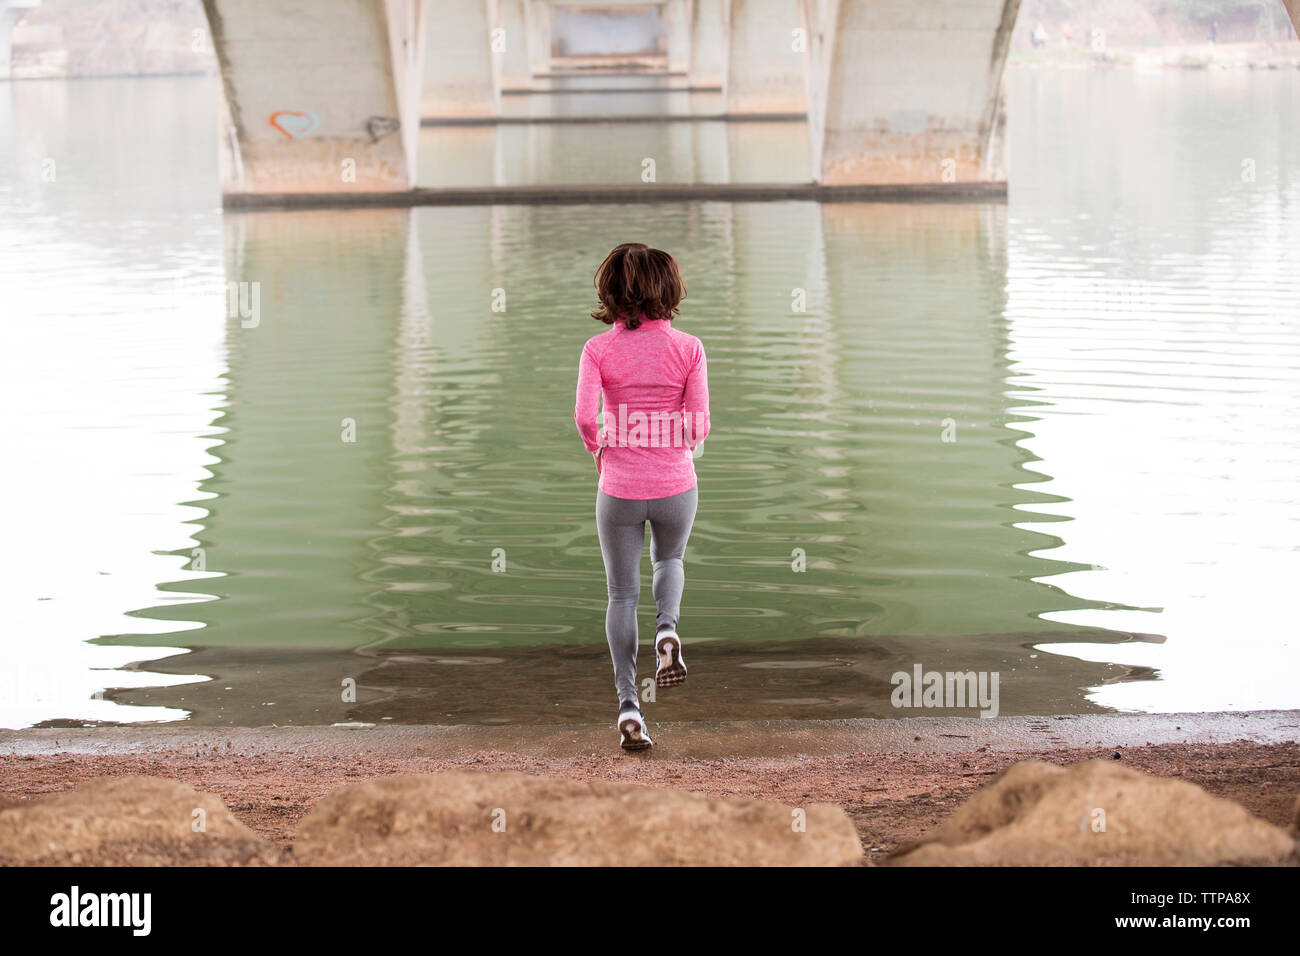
x=635 y=280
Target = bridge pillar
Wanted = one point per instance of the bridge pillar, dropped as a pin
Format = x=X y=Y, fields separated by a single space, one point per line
x=764 y=64
x=8 y=17
x=707 y=43
x=462 y=74
x=326 y=102
x=515 y=70
x=537 y=29
x=908 y=91
x=678 y=15
x=10 y=11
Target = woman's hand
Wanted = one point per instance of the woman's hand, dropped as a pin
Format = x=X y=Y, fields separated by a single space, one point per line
x=596 y=455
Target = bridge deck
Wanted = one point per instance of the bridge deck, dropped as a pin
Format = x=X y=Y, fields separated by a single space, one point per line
x=628 y=193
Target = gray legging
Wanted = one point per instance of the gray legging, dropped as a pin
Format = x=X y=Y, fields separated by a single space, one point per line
x=620 y=523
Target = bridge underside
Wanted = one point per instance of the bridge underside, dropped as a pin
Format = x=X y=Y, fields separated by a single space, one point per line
x=321 y=103
x=909 y=91
x=896 y=91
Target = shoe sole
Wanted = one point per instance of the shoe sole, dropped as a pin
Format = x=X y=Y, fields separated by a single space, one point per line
x=671 y=671
x=632 y=738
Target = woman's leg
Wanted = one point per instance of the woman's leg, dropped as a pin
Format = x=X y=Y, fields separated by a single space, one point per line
x=621 y=526
x=670 y=526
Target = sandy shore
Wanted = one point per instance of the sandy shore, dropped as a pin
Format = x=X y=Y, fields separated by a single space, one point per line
x=895 y=778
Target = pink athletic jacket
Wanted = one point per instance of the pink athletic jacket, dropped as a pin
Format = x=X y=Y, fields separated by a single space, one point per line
x=656 y=387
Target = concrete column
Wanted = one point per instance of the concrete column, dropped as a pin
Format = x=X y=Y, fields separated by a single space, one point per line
x=678 y=16
x=461 y=73
x=708 y=43
x=764 y=63
x=819 y=21
x=510 y=45
x=326 y=102
x=537 y=20
x=8 y=17
x=908 y=91
x=10 y=11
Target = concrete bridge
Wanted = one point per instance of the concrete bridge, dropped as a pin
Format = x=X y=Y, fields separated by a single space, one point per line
x=325 y=99
x=10 y=11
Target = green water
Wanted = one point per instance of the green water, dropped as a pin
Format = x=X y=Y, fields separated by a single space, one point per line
x=1054 y=437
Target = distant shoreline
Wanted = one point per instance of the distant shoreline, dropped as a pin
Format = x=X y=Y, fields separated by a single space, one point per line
x=1195 y=56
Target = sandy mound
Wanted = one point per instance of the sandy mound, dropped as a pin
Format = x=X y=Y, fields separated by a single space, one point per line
x=1096 y=813
x=456 y=818
x=126 y=821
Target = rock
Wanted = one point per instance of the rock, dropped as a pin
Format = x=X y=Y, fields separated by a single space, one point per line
x=1096 y=813
x=515 y=819
x=126 y=821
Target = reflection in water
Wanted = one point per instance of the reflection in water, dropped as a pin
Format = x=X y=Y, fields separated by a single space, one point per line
x=830 y=389
x=1113 y=354
x=1153 y=320
x=109 y=377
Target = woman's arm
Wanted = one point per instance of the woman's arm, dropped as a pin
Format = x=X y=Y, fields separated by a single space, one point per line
x=695 y=401
x=587 y=403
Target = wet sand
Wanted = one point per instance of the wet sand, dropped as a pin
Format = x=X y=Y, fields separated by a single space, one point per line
x=806 y=679
x=896 y=778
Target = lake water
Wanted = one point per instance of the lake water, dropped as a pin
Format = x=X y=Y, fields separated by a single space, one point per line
x=1056 y=437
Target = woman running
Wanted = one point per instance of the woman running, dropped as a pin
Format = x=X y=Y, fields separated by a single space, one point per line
x=656 y=391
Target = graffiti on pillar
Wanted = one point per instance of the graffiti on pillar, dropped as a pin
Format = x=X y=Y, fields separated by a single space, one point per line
x=380 y=126
x=295 y=124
